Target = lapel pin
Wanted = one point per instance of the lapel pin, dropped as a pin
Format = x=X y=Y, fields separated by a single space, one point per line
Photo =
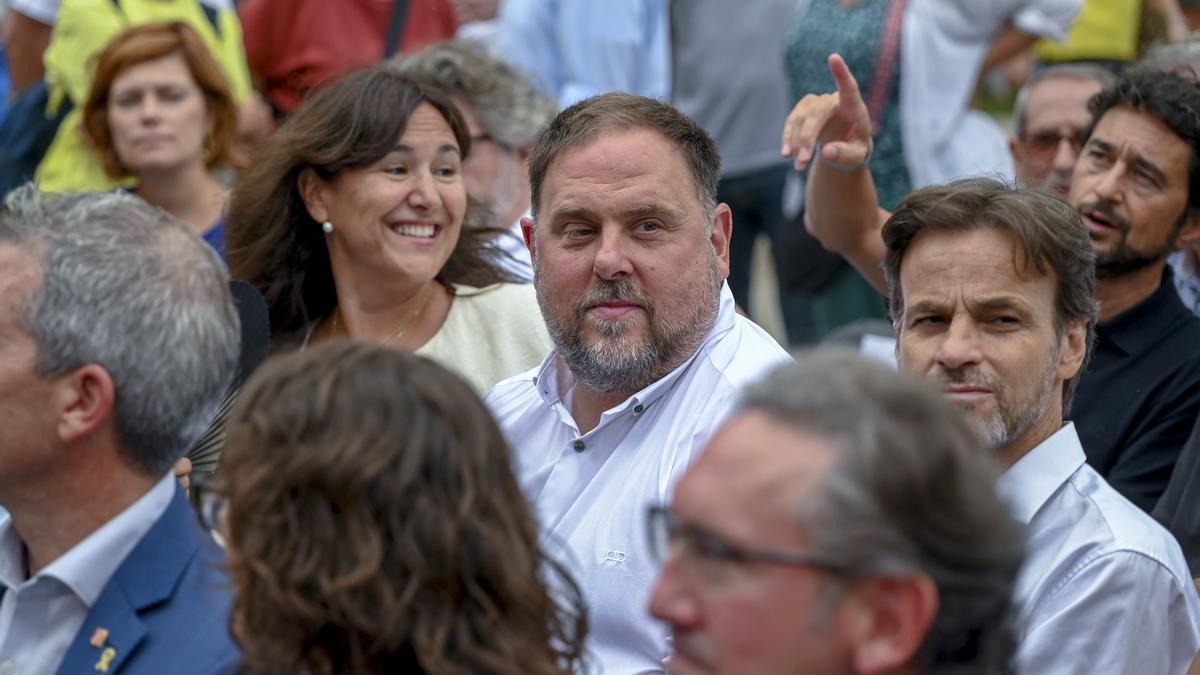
x=99 y=637
x=106 y=659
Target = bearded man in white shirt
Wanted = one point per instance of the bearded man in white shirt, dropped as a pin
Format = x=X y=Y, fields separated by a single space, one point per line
x=630 y=251
x=992 y=298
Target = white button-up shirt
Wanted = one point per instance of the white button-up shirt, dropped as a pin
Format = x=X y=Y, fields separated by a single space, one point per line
x=40 y=616
x=1104 y=589
x=590 y=491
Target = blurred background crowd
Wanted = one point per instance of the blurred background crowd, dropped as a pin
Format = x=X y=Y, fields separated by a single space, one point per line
x=436 y=224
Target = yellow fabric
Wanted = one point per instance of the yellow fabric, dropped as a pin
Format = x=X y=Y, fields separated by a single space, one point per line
x=82 y=29
x=1105 y=29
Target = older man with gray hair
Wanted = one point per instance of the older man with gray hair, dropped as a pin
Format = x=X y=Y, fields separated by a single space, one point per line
x=844 y=521
x=504 y=112
x=118 y=337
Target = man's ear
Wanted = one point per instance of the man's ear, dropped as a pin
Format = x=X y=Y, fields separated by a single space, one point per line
x=1072 y=349
x=85 y=399
x=527 y=232
x=313 y=191
x=722 y=234
x=1014 y=148
x=1189 y=234
x=888 y=619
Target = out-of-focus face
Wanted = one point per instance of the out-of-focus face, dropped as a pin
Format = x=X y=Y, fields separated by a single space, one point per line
x=627 y=277
x=1056 y=119
x=494 y=174
x=736 y=617
x=27 y=426
x=158 y=117
x=1131 y=187
x=399 y=218
x=985 y=330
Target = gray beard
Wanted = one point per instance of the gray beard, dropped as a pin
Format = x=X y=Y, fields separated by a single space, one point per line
x=614 y=366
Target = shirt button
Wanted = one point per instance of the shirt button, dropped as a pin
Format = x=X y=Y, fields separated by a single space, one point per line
x=8 y=667
x=579 y=446
x=639 y=408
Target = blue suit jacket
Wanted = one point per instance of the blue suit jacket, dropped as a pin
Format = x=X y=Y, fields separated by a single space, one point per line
x=166 y=609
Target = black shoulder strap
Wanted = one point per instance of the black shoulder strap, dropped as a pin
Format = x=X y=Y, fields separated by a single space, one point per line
x=395 y=28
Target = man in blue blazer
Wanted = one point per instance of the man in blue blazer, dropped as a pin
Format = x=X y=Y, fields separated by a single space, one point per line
x=118 y=337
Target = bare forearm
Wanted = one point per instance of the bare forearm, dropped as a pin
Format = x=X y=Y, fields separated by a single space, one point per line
x=842 y=211
x=25 y=42
x=1010 y=42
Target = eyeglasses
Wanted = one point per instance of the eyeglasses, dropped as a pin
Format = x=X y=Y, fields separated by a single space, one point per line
x=1044 y=144
x=209 y=500
x=699 y=546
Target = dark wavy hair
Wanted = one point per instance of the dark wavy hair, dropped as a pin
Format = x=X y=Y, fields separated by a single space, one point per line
x=354 y=122
x=375 y=526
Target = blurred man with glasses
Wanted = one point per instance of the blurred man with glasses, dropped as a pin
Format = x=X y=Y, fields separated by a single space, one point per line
x=1050 y=124
x=843 y=521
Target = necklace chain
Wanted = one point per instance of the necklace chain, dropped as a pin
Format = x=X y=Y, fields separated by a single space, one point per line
x=399 y=332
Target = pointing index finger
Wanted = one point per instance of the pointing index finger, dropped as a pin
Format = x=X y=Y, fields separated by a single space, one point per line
x=847 y=86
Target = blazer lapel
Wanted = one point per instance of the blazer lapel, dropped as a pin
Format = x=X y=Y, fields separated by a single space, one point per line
x=147 y=577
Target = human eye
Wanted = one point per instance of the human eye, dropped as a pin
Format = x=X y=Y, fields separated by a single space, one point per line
x=1005 y=320
x=396 y=169
x=172 y=94
x=648 y=227
x=1145 y=179
x=1097 y=156
x=926 y=321
x=127 y=99
x=446 y=170
x=578 y=232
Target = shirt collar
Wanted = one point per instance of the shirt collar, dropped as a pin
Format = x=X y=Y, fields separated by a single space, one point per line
x=1139 y=328
x=553 y=379
x=1029 y=484
x=87 y=568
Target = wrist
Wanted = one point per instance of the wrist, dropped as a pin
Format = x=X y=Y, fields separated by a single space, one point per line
x=842 y=166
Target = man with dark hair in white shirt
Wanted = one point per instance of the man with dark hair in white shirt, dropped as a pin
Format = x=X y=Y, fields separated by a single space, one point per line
x=992 y=298
x=630 y=252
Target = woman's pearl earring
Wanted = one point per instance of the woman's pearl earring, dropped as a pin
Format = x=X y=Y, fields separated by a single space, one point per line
x=327 y=227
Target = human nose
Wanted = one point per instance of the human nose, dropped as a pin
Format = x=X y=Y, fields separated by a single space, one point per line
x=960 y=346
x=670 y=600
x=611 y=260
x=424 y=194
x=1108 y=185
x=1065 y=154
x=149 y=109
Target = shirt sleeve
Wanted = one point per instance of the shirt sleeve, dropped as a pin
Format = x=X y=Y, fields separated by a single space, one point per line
x=1047 y=18
x=42 y=11
x=1122 y=612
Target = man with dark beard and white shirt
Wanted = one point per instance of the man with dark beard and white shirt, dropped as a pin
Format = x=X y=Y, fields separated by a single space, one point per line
x=630 y=252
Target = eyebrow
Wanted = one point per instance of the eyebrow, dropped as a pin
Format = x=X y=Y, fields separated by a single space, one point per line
x=1002 y=302
x=1135 y=158
x=442 y=149
x=572 y=211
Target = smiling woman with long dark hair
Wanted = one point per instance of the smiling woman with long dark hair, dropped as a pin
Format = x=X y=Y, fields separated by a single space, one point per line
x=374 y=526
x=353 y=221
